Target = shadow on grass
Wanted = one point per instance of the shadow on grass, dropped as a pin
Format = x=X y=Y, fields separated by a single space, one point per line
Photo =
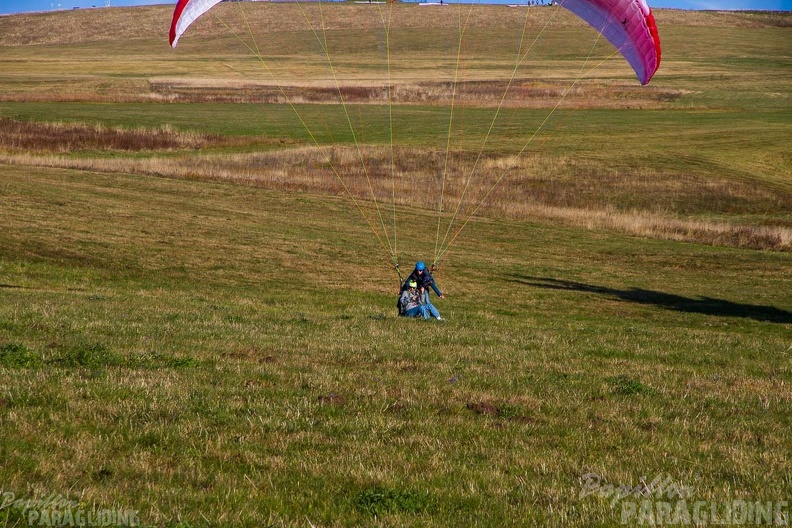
x=703 y=305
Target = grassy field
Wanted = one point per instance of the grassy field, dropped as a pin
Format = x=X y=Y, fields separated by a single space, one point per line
x=197 y=324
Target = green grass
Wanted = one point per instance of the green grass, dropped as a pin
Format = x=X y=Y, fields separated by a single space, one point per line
x=214 y=356
x=217 y=354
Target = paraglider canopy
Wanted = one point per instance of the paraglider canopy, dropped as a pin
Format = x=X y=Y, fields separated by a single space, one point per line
x=627 y=24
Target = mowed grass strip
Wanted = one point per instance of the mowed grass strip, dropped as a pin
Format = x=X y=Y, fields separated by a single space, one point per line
x=222 y=355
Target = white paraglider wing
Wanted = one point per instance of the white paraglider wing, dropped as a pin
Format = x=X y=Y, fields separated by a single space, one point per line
x=185 y=14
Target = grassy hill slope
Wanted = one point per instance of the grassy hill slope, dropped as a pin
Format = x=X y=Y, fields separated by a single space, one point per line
x=222 y=355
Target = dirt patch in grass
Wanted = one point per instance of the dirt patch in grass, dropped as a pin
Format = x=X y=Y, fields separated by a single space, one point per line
x=332 y=399
x=493 y=93
x=503 y=411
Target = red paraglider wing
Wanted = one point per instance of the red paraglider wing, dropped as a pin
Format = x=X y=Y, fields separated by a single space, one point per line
x=627 y=24
x=185 y=14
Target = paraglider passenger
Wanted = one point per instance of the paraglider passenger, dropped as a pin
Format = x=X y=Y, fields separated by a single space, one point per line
x=410 y=302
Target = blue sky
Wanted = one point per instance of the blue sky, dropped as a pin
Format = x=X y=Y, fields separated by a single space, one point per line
x=23 y=6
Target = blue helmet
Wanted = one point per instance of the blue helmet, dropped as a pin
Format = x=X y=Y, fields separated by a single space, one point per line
x=420 y=266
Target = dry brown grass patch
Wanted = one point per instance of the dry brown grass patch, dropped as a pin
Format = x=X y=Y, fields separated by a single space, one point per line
x=69 y=137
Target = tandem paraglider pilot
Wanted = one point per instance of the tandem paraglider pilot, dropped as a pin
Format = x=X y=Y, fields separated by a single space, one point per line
x=424 y=279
